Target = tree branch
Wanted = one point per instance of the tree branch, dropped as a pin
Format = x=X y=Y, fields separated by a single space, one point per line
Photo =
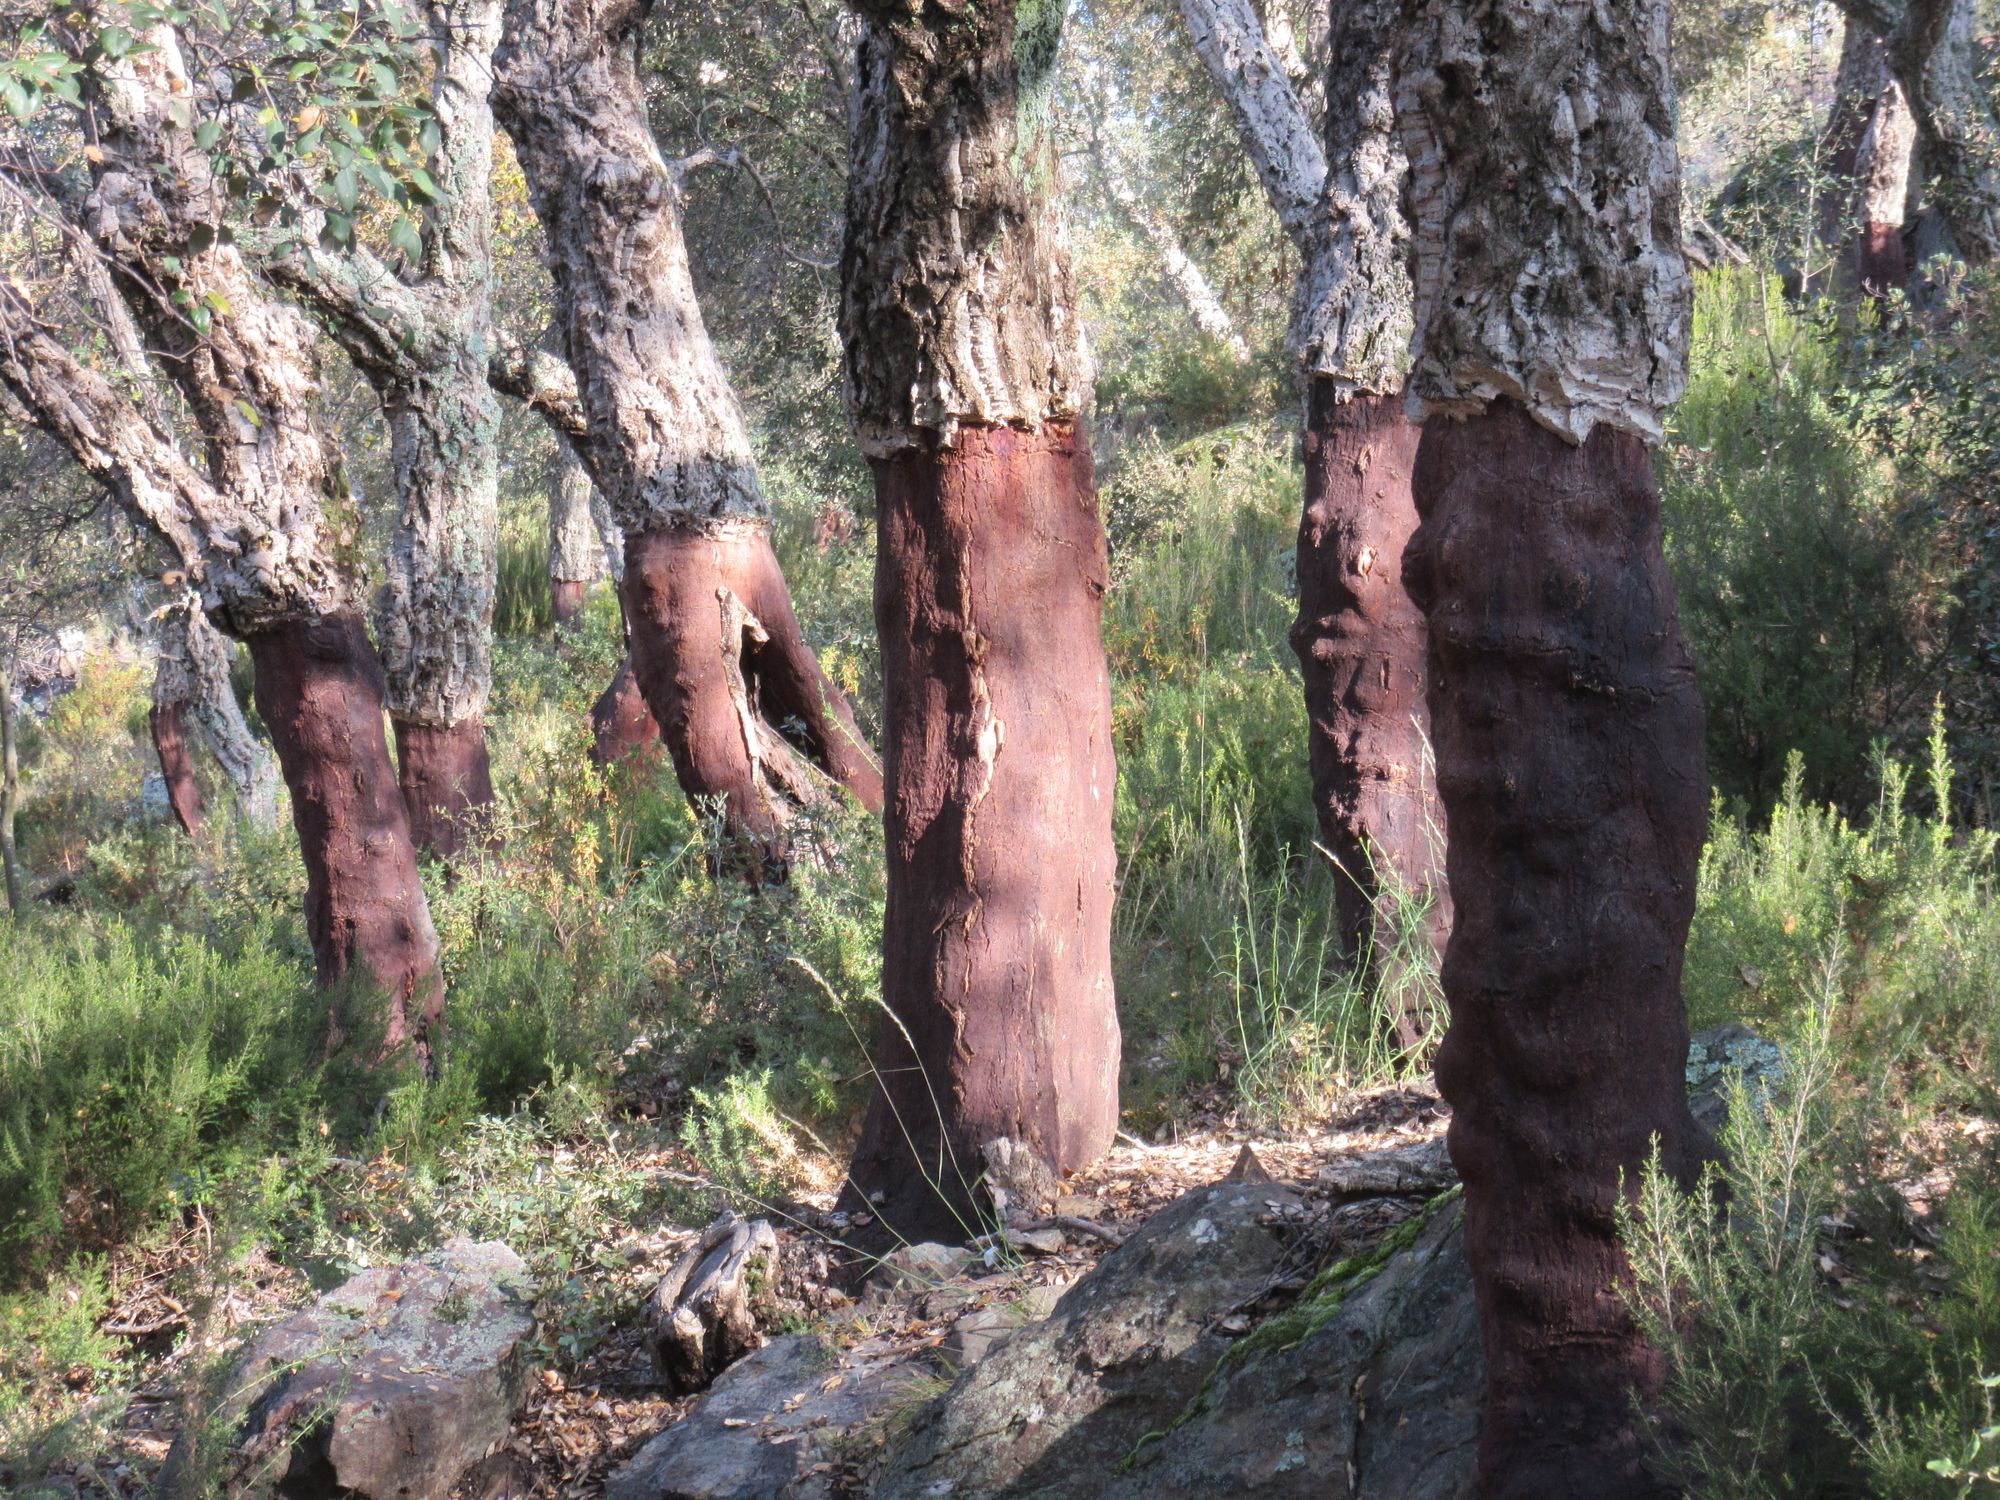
x=539 y=381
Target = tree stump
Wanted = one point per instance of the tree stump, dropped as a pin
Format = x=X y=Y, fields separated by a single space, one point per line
x=702 y=1317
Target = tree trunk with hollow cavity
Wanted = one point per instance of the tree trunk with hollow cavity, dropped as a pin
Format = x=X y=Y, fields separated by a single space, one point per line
x=247 y=524
x=192 y=690
x=424 y=342
x=967 y=374
x=1359 y=639
x=666 y=443
x=1552 y=312
x=576 y=560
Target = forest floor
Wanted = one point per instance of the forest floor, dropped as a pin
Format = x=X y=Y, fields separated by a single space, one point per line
x=586 y=1413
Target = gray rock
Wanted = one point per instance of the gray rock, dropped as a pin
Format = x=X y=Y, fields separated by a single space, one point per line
x=390 y=1386
x=979 y=1332
x=1126 y=1349
x=1380 y=1402
x=766 y=1428
x=1719 y=1056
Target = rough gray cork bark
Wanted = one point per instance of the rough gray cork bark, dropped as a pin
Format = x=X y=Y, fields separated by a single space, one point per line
x=957 y=295
x=1545 y=203
x=193 y=680
x=251 y=530
x=1340 y=202
x=669 y=446
x=575 y=553
x=424 y=341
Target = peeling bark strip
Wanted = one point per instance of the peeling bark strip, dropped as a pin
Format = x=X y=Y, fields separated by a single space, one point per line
x=1361 y=648
x=996 y=947
x=667 y=446
x=168 y=722
x=1881 y=264
x=957 y=298
x=1569 y=749
x=1545 y=201
x=320 y=687
x=740 y=699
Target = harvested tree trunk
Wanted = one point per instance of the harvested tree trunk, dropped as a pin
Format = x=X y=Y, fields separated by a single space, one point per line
x=319 y=684
x=247 y=524
x=737 y=694
x=168 y=723
x=191 y=687
x=1857 y=85
x=966 y=378
x=424 y=342
x=666 y=443
x=1881 y=262
x=620 y=722
x=576 y=560
x=1552 y=313
x=1359 y=639
x=703 y=1315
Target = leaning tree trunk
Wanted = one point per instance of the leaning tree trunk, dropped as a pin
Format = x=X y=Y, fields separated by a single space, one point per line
x=1359 y=638
x=667 y=445
x=424 y=343
x=191 y=689
x=1552 y=312
x=967 y=374
x=576 y=561
x=247 y=524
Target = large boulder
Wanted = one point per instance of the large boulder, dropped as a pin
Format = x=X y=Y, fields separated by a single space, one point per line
x=1126 y=1350
x=389 y=1387
x=1367 y=1389
x=772 y=1427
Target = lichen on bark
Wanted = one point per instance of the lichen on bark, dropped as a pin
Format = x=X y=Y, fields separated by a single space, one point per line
x=956 y=286
x=1545 y=203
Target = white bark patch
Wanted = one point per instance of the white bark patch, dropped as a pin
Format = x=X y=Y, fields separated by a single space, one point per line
x=1545 y=201
x=193 y=677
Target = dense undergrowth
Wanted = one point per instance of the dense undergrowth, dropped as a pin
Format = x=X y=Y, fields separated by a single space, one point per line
x=160 y=1064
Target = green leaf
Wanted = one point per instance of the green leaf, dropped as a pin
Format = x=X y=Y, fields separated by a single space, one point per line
x=403 y=235
x=207 y=133
x=219 y=302
x=20 y=103
x=244 y=87
x=421 y=181
x=114 y=41
x=249 y=412
x=385 y=79
x=200 y=237
x=346 y=188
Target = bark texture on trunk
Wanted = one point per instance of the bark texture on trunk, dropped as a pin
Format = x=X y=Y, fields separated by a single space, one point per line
x=966 y=376
x=667 y=446
x=1858 y=82
x=319 y=685
x=167 y=720
x=996 y=944
x=1569 y=748
x=1359 y=639
x=576 y=559
x=248 y=524
x=1881 y=264
x=447 y=780
x=740 y=700
x=425 y=343
x=1361 y=646
x=620 y=722
x=192 y=687
x=1545 y=203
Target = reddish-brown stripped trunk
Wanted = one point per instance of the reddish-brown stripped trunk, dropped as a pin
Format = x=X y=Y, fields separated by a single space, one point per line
x=620 y=722
x=1568 y=731
x=319 y=687
x=170 y=745
x=566 y=596
x=989 y=594
x=447 y=779
x=720 y=657
x=1361 y=647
